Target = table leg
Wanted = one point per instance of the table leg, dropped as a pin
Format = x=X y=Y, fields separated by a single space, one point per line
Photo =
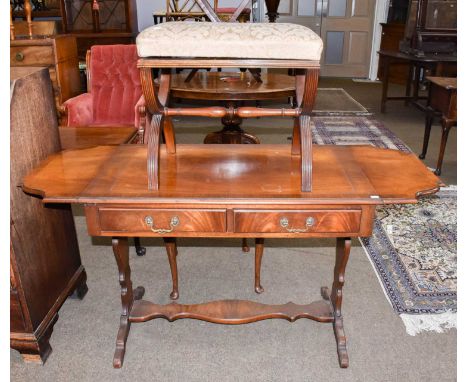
x=427 y=133
x=343 y=249
x=231 y=133
x=128 y=295
x=259 y=244
x=409 y=81
x=245 y=246
x=446 y=126
x=171 y=250
x=386 y=67
x=140 y=251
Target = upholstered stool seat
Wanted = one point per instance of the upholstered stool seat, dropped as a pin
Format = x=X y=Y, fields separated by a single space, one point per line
x=230 y=40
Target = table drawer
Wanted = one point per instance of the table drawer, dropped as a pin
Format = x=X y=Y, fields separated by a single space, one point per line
x=32 y=55
x=161 y=221
x=302 y=221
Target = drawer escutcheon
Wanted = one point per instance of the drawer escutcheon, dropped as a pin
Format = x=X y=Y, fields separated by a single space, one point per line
x=173 y=223
x=284 y=222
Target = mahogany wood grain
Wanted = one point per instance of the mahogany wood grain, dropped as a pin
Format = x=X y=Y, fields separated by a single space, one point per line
x=323 y=221
x=82 y=136
x=193 y=220
x=203 y=63
x=231 y=312
x=243 y=112
x=225 y=86
x=343 y=174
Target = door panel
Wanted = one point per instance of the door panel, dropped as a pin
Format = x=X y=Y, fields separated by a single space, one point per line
x=303 y=12
x=346 y=28
x=355 y=20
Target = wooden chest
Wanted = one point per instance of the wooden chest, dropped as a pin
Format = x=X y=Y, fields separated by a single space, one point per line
x=45 y=264
x=58 y=54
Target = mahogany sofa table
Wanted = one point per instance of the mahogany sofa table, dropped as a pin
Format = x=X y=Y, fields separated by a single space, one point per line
x=231 y=191
x=232 y=88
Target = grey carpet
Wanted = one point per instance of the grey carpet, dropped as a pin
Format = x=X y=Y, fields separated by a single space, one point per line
x=273 y=350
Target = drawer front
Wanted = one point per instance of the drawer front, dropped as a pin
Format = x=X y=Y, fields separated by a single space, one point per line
x=297 y=222
x=32 y=56
x=160 y=221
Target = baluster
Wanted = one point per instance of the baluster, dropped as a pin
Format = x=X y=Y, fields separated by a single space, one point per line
x=28 y=12
x=96 y=22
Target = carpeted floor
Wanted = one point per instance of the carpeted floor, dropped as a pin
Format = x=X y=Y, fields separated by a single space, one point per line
x=273 y=350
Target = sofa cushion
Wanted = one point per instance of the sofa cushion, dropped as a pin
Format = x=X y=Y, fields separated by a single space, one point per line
x=230 y=40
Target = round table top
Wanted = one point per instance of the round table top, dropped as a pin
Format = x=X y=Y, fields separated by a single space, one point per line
x=232 y=86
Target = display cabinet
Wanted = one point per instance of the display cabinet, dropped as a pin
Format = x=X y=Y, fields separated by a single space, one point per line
x=431 y=27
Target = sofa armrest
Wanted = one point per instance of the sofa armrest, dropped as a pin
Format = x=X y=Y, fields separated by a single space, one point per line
x=142 y=118
x=79 y=110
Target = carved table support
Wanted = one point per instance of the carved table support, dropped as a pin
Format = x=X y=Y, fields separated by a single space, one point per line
x=128 y=296
x=306 y=91
x=230 y=312
x=171 y=249
x=231 y=133
x=343 y=249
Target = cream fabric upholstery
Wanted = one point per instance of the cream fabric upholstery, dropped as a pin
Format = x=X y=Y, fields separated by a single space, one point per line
x=229 y=40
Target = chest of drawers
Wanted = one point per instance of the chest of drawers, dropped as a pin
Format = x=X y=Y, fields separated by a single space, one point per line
x=58 y=54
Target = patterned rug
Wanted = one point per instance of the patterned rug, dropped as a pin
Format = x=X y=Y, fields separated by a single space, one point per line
x=414 y=252
x=328 y=130
x=337 y=102
x=413 y=247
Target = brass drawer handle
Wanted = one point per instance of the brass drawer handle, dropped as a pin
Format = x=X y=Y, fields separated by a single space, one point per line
x=19 y=56
x=284 y=222
x=173 y=223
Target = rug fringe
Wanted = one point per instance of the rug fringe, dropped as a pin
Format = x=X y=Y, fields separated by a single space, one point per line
x=438 y=322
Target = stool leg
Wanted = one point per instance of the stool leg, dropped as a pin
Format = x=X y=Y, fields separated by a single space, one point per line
x=427 y=134
x=446 y=126
x=140 y=251
x=245 y=246
x=259 y=245
x=171 y=249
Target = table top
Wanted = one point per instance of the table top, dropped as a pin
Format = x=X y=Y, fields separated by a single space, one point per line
x=411 y=57
x=232 y=86
x=232 y=174
x=444 y=82
x=87 y=136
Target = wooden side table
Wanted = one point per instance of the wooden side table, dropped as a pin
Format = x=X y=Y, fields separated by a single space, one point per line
x=232 y=88
x=435 y=64
x=442 y=101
